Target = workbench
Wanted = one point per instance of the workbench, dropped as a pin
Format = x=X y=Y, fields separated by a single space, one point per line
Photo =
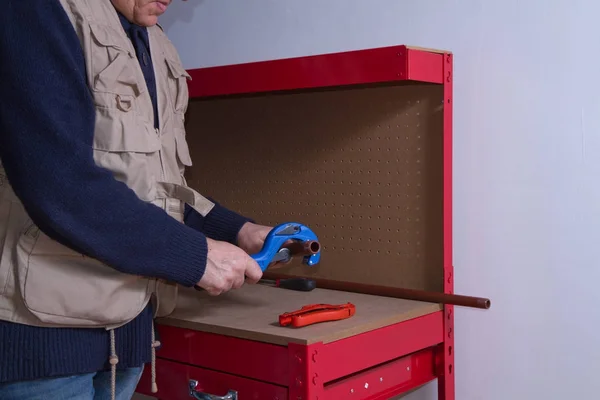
x=356 y=145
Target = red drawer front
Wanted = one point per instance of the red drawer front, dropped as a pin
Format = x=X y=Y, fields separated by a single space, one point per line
x=173 y=383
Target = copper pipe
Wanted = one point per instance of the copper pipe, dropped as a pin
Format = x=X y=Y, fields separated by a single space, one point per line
x=400 y=293
x=303 y=248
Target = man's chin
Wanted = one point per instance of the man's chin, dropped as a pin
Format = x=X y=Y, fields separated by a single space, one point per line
x=148 y=21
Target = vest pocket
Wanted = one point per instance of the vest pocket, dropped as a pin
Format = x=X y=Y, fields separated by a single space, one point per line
x=129 y=149
x=13 y=220
x=178 y=87
x=118 y=78
x=5 y=265
x=183 y=150
x=115 y=80
x=61 y=286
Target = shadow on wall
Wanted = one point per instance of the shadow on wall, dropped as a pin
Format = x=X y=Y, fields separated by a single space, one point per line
x=179 y=11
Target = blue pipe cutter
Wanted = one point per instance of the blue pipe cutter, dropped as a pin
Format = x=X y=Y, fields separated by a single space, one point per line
x=272 y=250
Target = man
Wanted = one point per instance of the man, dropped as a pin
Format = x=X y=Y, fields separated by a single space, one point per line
x=97 y=225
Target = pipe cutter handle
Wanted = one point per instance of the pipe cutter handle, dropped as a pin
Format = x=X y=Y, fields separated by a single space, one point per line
x=283 y=233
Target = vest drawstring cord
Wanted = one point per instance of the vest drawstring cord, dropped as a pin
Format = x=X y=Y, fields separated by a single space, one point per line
x=155 y=344
x=114 y=360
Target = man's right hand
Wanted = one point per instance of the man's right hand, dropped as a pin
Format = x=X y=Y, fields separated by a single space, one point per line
x=227 y=267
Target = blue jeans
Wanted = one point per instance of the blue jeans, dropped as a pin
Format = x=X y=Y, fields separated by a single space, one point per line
x=94 y=386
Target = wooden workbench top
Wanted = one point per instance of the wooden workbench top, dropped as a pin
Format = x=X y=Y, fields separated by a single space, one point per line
x=252 y=313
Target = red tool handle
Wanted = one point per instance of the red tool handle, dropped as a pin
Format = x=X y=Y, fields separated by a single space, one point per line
x=316 y=313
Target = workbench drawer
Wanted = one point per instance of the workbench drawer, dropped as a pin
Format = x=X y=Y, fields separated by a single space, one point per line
x=173 y=383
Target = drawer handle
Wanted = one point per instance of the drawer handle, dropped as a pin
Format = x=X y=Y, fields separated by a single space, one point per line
x=231 y=395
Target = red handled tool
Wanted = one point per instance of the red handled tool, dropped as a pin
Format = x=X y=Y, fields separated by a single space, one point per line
x=315 y=313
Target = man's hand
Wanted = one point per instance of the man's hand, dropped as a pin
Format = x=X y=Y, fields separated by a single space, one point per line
x=227 y=267
x=251 y=239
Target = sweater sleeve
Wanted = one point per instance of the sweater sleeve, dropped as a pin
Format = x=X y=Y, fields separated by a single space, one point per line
x=220 y=224
x=47 y=122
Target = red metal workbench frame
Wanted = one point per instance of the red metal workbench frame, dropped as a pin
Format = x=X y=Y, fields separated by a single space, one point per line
x=375 y=365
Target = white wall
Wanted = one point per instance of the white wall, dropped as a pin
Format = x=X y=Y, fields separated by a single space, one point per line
x=527 y=162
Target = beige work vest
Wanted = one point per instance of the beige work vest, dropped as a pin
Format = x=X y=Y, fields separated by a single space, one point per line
x=44 y=283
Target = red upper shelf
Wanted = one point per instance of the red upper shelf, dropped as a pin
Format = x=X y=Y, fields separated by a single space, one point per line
x=384 y=64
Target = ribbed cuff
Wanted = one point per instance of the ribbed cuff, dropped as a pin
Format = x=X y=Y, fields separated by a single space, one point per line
x=220 y=224
x=223 y=224
x=186 y=262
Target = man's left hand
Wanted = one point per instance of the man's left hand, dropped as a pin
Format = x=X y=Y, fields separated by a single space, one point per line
x=251 y=239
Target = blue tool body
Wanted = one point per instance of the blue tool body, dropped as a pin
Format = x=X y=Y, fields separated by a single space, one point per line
x=278 y=236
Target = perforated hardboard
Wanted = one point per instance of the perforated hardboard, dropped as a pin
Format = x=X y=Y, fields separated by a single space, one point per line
x=362 y=167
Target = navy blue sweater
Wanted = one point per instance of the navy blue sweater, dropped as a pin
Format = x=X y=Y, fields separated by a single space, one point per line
x=46 y=132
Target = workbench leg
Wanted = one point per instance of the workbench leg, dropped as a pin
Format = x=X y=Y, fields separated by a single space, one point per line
x=445 y=366
x=306 y=383
x=445 y=359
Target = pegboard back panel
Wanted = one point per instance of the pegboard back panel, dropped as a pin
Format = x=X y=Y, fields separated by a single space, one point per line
x=362 y=167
